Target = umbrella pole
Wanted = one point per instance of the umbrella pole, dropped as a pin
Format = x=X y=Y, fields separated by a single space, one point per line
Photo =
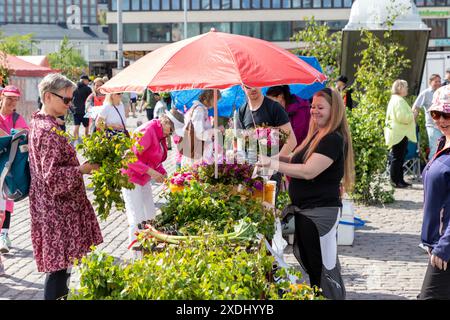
x=216 y=137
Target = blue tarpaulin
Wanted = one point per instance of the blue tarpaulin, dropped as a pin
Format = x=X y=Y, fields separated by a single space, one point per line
x=233 y=98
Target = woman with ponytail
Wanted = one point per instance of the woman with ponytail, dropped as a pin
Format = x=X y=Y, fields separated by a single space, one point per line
x=318 y=168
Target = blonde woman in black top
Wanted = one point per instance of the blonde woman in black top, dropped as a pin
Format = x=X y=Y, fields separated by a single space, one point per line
x=318 y=168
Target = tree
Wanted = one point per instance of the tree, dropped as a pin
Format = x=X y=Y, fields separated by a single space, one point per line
x=319 y=42
x=17 y=45
x=68 y=60
x=382 y=62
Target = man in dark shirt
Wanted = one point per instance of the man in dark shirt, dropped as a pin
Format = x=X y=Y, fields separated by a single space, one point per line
x=260 y=110
x=80 y=96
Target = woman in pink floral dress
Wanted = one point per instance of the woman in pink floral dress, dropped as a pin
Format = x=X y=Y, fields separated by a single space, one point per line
x=63 y=222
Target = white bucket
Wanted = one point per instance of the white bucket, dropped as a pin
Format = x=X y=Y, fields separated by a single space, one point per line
x=346 y=232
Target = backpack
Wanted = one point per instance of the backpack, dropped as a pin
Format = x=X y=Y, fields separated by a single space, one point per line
x=15 y=169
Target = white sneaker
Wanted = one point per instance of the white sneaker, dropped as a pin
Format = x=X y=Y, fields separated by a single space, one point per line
x=423 y=247
x=4 y=243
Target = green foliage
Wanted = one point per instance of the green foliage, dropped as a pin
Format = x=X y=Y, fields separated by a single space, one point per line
x=283 y=200
x=17 y=45
x=112 y=153
x=68 y=60
x=219 y=204
x=209 y=269
x=382 y=62
x=319 y=42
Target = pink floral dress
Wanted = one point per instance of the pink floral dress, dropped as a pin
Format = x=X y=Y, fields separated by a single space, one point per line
x=63 y=222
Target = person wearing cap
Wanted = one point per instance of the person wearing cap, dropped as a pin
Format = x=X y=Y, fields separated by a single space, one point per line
x=436 y=207
x=447 y=77
x=139 y=205
x=9 y=119
x=346 y=93
x=80 y=96
x=424 y=100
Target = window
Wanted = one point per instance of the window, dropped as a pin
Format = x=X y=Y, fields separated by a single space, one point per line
x=256 y=4
x=113 y=5
x=348 y=3
x=246 y=4
x=296 y=4
x=85 y=12
x=317 y=4
x=146 y=5
x=307 y=3
x=266 y=4
x=205 y=5
x=195 y=4
x=337 y=3
x=156 y=32
x=219 y=26
x=276 y=31
x=155 y=5
x=298 y=26
x=448 y=28
x=327 y=3
x=165 y=5
x=251 y=29
x=236 y=4
x=438 y=28
x=176 y=4
x=135 y=5
x=19 y=17
x=113 y=33
x=131 y=32
x=276 y=4
x=126 y=5
x=226 y=4
x=286 y=4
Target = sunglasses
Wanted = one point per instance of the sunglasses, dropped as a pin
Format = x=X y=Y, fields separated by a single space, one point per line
x=437 y=114
x=66 y=100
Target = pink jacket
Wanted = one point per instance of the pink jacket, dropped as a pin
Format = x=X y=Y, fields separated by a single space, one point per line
x=299 y=115
x=154 y=153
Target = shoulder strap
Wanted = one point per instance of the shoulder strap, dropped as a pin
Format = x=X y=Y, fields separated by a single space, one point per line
x=15 y=117
x=15 y=140
x=121 y=119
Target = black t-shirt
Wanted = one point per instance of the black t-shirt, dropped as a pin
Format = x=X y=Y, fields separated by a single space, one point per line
x=271 y=113
x=80 y=96
x=323 y=190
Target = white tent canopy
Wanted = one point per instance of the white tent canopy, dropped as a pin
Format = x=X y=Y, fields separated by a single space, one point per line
x=372 y=15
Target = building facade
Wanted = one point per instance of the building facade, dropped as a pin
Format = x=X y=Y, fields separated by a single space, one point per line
x=51 y=20
x=149 y=24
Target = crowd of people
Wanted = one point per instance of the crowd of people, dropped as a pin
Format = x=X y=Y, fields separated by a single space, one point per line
x=317 y=159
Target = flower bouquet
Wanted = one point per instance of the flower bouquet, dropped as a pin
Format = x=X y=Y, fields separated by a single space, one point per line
x=179 y=180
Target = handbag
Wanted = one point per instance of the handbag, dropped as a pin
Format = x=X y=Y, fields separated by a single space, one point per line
x=123 y=124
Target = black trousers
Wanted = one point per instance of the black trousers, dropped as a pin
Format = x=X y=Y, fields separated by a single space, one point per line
x=56 y=285
x=7 y=221
x=398 y=153
x=149 y=113
x=308 y=241
x=436 y=284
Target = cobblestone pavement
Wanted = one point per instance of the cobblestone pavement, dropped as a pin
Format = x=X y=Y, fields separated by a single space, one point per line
x=383 y=263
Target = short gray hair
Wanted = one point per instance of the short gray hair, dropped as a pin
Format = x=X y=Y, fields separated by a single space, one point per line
x=398 y=85
x=54 y=82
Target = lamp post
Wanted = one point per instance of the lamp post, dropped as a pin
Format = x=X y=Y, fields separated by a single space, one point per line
x=119 y=36
x=185 y=19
